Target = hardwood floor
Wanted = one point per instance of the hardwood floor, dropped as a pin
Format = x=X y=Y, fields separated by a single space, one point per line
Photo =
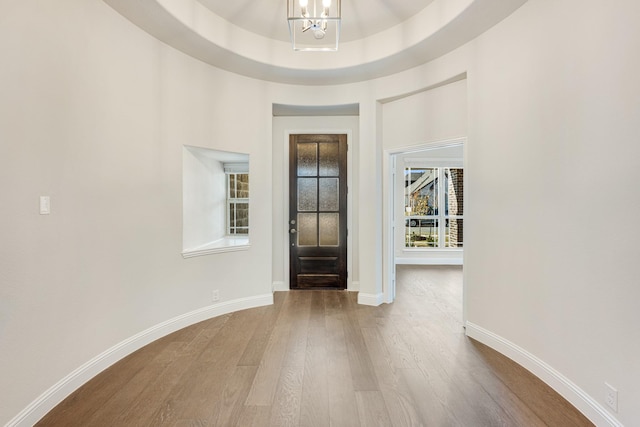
x=317 y=358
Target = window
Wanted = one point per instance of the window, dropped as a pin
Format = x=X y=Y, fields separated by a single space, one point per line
x=215 y=201
x=434 y=205
x=237 y=203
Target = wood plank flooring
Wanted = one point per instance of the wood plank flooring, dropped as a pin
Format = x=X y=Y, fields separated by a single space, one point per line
x=317 y=358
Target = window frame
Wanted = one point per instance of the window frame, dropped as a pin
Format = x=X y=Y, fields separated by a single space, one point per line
x=235 y=201
x=441 y=216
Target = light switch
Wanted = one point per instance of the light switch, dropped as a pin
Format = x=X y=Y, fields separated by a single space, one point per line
x=45 y=205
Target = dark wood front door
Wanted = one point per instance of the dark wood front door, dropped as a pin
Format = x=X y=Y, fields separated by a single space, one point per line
x=318 y=211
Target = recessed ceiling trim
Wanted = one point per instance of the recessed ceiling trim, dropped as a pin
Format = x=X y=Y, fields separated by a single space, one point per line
x=367 y=17
x=192 y=28
x=284 y=110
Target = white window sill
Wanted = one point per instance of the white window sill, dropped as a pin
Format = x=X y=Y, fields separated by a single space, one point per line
x=226 y=244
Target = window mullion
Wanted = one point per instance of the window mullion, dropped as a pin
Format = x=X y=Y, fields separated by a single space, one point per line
x=442 y=209
x=228 y=212
x=235 y=206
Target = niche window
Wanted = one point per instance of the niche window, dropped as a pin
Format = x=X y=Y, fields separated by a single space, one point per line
x=237 y=203
x=215 y=201
x=434 y=207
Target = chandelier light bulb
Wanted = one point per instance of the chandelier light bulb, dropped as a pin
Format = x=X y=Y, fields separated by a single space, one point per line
x=304 y=3
x=326 y=3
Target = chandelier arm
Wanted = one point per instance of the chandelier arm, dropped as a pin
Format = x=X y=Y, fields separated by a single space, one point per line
x=322 y=17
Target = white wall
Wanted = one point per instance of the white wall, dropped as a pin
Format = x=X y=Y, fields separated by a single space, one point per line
x=417 y=120
x=431 y=115
x=554 y=117
x=94 y=113
x=204 y=198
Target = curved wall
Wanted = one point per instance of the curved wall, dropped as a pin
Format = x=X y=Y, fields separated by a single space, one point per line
x=553 y=108
x=94 y=113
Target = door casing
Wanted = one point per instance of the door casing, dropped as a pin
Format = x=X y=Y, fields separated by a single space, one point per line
x=389 y=163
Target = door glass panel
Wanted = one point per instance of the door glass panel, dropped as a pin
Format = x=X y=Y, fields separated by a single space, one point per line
x=307 y=159
x=329 y=156
x=329 y=229
x=307 y=194
x=329 y=194
x=307 y=229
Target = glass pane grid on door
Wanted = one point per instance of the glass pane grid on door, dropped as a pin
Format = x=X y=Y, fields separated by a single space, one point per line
x=318 y=191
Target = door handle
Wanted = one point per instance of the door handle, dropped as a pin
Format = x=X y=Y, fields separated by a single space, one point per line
x=293 y=231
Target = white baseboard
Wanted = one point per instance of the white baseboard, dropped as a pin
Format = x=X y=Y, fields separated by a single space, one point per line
x=429 y=261
x=370 y=299
x=567 y=389
x=280 y=286
x=63 y=388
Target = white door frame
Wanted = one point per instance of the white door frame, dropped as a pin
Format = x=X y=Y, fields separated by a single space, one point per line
x=388 y=172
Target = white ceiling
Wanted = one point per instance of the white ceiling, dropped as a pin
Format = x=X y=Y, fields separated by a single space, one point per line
x=378 y=37
x=360 y=18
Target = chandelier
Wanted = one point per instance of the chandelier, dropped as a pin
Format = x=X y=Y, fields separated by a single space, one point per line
x=314 y=25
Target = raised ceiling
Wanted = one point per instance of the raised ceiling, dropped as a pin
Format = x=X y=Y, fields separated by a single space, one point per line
x=362 y=18
x=378 y=37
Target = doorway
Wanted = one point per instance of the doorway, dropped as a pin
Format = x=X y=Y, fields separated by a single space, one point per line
x=407 y=237
x=318 y=211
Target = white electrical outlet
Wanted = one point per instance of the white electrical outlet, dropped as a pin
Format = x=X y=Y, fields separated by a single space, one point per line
x=215 y=295
x=45 y=205
x=611 y=397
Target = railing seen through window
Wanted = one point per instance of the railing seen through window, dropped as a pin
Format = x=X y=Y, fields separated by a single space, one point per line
x=427 y=225
x=237 y=204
